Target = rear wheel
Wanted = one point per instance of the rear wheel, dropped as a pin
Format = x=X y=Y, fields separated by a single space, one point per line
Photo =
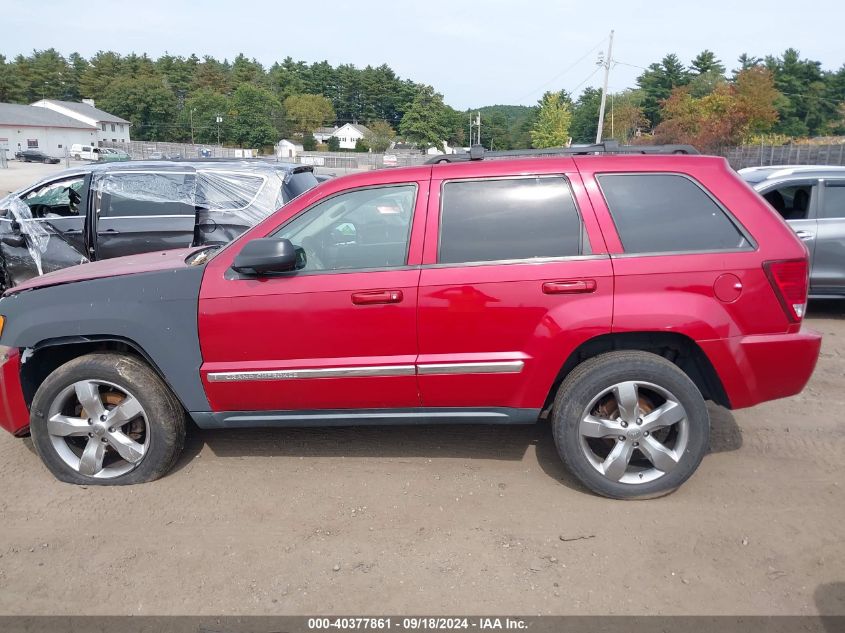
x=107 y=418
x=630 y=425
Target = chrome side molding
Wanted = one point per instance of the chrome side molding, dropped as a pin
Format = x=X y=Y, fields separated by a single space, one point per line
x=423 y=369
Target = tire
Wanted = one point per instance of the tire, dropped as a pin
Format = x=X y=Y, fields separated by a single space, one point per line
x=612 y=450
x=138 y=437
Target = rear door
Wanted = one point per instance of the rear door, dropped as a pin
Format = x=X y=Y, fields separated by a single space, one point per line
x=797 y=202
x=828 y=274
x=142 y=211
x=515 y=277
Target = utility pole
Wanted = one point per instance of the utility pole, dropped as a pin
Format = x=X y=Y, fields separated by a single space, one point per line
x=219 y=121
x=192 y=125
x=607 y=62
x=478 y=126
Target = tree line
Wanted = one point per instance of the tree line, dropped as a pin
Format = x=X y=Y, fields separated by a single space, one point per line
x=177 y=98
x=782 y=97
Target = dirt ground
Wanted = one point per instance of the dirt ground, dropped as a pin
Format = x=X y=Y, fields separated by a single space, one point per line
x=445 y=520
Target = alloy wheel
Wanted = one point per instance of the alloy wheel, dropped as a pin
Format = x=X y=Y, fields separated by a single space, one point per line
x=634 y=432
x=98 y=428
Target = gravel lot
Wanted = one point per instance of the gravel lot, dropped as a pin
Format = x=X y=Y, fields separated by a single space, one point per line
x=441 y=520
x=19 y=174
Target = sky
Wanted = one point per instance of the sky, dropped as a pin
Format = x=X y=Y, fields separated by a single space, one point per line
x=474 y=53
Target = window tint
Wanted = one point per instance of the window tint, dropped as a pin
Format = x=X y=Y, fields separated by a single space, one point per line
x=145 y=194
x=366 y=228
x=519 y=218
x=834 y=201
x=660 y=213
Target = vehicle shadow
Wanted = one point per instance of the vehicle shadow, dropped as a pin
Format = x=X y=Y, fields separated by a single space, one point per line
x=830 y=603
x=506 y=442
x=826 y=309
x=434 y=441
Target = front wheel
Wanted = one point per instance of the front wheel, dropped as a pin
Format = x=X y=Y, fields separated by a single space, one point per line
x=107 y=418
x=630 y=425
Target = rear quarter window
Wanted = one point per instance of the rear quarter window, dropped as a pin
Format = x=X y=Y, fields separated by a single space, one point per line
x=667 y=213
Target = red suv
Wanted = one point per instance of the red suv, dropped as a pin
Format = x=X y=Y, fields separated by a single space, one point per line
x=610 y=294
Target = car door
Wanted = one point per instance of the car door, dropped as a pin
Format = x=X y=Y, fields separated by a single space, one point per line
x=138 y=211
x=45 y=230
x=515 y=277
x=338 y=334
x=828 y=272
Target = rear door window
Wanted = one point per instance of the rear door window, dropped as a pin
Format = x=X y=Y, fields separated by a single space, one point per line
x=145 y=194
x=508 y=219
x=833 y=205
x=792 y=202
x=667 y=213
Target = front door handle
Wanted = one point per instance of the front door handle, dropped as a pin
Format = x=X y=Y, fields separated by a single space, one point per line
x=805 y=235
x=73 y=232
x=377 y=296
x=569 y=287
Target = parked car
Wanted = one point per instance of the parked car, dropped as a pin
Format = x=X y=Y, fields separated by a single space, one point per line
x=111 y=155
x=611 y=295
x=107 y=210
x=84 y=152
x=811 y=198
x=156 y=156
x=35 y=156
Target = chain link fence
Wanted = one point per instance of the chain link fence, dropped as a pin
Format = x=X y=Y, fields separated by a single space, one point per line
x=145 y=150
x=738 y=157
x=791 y=154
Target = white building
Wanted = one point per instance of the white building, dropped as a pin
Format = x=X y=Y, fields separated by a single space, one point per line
x=25 y=127
x=350 y=133
x=288 y=149
x=110 y=128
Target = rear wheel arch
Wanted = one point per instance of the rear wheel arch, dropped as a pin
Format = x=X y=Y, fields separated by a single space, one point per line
x=677 y=348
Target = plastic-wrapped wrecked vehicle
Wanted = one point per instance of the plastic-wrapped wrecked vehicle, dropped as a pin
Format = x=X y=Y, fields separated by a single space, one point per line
x=115 y=209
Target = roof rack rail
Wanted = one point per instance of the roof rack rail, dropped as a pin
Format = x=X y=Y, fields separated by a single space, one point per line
x=477 y=152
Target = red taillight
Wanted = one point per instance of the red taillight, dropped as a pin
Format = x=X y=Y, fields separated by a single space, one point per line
x=790 y=279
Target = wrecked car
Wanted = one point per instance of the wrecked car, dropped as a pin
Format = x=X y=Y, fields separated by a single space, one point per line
x=109 y=210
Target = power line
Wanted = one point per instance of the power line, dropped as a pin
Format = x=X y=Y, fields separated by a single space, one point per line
x=564 y=71
x=590 y=76
x=616 y=61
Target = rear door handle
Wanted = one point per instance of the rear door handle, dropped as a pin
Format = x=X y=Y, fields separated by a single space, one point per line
x=377 y=296
x=109 y=232
x=570 y=287
x=805 y=235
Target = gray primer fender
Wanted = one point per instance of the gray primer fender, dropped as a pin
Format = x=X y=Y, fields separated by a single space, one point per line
x=156 y=310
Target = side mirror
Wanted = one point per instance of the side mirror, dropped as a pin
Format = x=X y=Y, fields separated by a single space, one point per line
x=268 y=256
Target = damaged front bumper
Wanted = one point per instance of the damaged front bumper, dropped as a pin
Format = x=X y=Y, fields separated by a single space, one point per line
x=14 y=412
